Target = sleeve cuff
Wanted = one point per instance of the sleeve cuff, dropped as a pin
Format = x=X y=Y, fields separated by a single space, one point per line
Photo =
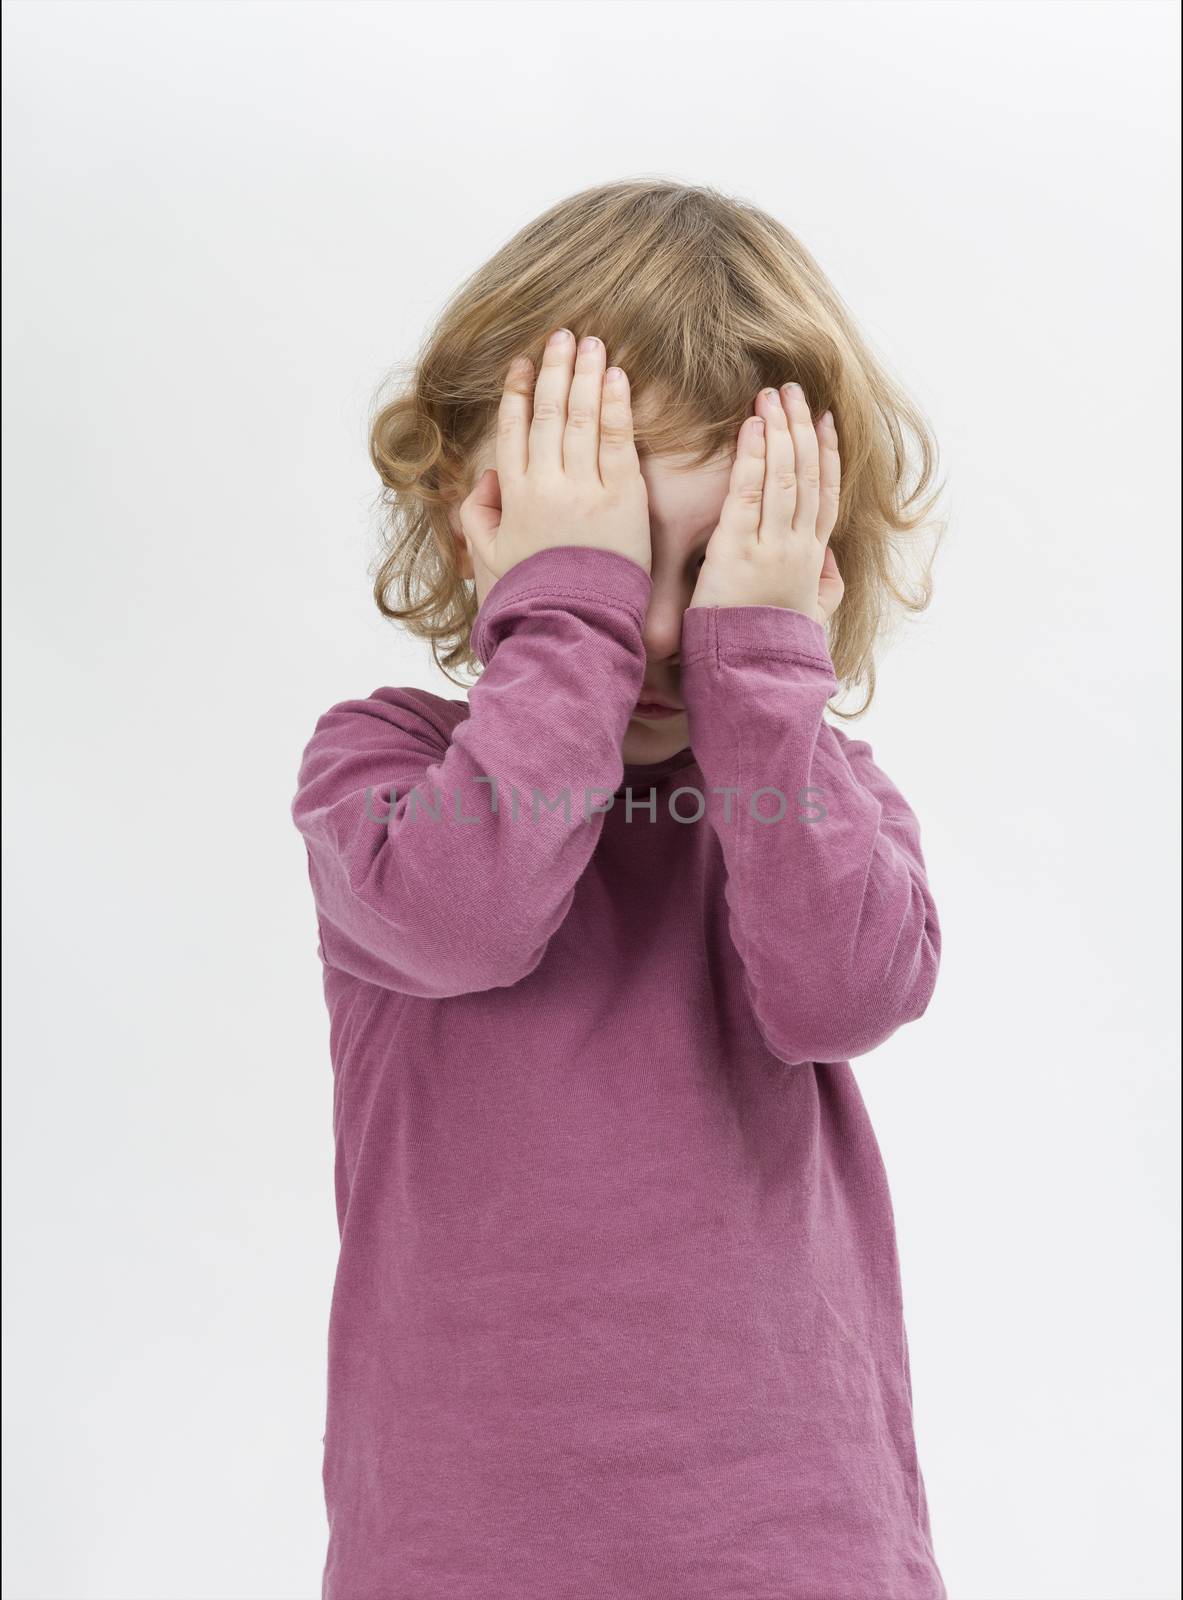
x=565 y=572
x=722 y=634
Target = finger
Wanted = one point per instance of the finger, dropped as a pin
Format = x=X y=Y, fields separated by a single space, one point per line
x=740 y=516
x=550 y=402
x=619 y=462
x=581 y=438
x=806 y=454
x=831 y=479
x=780 y=468
x=513 y=420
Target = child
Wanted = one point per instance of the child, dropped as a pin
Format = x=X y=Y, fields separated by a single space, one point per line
x=617 y=1311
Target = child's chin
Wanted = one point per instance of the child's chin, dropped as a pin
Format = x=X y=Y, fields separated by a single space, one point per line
x=653 y=741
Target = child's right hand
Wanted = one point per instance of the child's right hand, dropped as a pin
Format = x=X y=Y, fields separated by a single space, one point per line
x=567 y=467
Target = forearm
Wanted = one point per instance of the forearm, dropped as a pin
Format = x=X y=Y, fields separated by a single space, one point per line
x=827 y=894
x=444 y=866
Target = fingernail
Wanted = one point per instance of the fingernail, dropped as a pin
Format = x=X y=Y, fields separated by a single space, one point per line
x=757 y=424
x=586 y=346
x=559 y=336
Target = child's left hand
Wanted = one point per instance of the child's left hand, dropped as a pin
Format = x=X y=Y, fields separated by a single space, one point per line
x=771 y=547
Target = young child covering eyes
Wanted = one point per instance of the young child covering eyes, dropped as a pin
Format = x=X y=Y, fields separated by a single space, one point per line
x=617 y=1310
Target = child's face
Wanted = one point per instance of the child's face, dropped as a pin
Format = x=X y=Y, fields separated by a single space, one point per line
x=684 y=509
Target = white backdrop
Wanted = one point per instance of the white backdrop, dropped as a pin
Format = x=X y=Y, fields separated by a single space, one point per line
x=224 y=223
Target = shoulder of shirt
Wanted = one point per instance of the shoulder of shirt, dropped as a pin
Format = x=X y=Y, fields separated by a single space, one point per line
x=847 y=744
x=417 y=713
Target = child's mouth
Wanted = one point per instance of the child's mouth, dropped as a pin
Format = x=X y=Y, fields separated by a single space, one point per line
x=653 y=710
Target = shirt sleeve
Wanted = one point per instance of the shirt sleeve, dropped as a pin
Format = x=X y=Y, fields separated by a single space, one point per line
x=443 y=859
x=827 y=894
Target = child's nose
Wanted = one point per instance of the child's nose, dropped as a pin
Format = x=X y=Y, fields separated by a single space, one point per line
x=662 y=632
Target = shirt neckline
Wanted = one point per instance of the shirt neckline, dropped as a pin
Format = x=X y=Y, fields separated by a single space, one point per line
x=642 y=772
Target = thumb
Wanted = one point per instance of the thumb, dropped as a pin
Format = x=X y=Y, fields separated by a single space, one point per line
x=480 y=514
x=830 y=588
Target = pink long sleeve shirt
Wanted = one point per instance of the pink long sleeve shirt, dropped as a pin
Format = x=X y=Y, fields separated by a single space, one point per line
x=617 y=1314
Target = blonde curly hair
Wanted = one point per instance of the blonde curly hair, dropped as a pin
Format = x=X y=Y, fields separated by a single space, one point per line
x=703 y=299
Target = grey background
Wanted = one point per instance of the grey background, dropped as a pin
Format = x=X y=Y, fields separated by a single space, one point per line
x=224 y=223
